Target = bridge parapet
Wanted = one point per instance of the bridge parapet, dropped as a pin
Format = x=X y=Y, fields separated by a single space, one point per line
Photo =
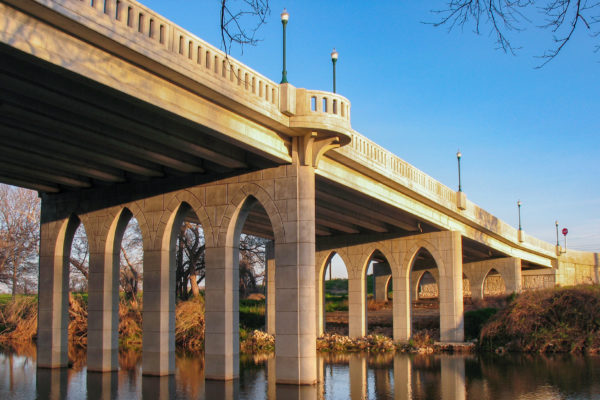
x=384 y=161
x=137 y=27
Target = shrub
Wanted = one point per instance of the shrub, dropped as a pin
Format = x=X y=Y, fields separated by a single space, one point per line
x=474 y=321
x=551 y=320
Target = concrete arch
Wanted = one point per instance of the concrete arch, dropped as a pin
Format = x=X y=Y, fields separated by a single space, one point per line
x=487 y=275
x=414 y=251
x=237 y=210
x=419 y=277
x=369 y=251
x=190 y=203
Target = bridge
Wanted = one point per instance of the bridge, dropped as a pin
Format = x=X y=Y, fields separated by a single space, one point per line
x=110 y=111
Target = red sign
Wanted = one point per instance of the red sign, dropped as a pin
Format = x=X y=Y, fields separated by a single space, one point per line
x=565 y=231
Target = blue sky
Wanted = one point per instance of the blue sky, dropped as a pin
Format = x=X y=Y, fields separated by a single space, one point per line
x=421 y=92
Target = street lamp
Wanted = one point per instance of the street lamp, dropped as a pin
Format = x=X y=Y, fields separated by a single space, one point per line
x=284 y=19
x=458 y=156
x=556 y=223
x=334 y=57
x=519 y=205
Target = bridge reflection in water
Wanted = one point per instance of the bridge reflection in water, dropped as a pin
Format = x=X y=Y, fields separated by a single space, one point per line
x=349 y=376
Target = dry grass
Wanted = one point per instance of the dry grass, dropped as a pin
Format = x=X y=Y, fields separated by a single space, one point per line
x=130 y=324
x=18 y=321
x=77 y=321
x=189 y=324
x=551 y=320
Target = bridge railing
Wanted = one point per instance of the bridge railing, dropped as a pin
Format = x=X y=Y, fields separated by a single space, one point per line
x=371 y=154
x=151 y=27
x=317 y=101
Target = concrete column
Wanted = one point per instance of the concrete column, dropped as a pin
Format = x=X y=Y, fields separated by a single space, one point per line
x=295 y=343
x=453 y=378
x=357 y=306
x=222 y=347
x=381 y=275
x=103 y=296
x=401 y=307
x=270 y=288
x=402 y=377
x=512 y=275
x=450 y=289
x=158 y=316
x=53 y=304
x=358 y=377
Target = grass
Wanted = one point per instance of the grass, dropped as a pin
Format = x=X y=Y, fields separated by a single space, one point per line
x=252 y=314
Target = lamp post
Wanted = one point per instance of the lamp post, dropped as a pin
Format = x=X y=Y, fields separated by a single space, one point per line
x=458 y=156
x=334 y=57
x=284 y=19
x=556 y=223
x=519 y=206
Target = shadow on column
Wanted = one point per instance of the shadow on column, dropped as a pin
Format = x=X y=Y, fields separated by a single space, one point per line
x=293 y=392
x=52 y=383
x=159 y=387
x=225 y=390
x=102 y=385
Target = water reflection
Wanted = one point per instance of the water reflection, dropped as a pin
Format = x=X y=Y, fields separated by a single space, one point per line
x=346 y=376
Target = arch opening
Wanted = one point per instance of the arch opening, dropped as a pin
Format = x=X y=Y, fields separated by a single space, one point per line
x=79 y=268
x=424 y=296
x=334 y=284
x=129 y=242
x=378 y=279
x=254 y=243
x=493 y=284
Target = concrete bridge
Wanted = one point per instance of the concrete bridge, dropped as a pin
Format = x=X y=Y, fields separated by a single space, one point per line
x=110 y=111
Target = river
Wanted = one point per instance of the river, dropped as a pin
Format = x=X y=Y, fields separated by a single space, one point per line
x=354 y=376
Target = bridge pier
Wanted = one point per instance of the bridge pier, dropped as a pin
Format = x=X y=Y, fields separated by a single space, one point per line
x=509 y=268
x=400 y=253
x=104 y=232
x=56 y=235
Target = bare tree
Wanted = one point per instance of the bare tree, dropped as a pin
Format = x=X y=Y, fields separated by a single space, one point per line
x=560 y=17
x=252 y=262
x=131 y=264
x=79 y=260
x=240 y=21
x=189 y=259
x=19 y=237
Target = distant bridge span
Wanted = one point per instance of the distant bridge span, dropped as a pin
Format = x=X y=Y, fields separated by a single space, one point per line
x=110 y=111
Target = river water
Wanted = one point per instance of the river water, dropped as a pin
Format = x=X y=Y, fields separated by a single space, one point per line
x=355 y=376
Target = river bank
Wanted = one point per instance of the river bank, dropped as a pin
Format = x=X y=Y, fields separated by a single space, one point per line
x=560 y=320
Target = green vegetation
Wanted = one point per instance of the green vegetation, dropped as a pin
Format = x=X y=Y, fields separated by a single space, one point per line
x=252 y=314
x=475 y=320
x=551 y=320
x=336 y=285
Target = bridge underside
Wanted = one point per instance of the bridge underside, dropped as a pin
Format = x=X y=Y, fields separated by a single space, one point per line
x=63 y=132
